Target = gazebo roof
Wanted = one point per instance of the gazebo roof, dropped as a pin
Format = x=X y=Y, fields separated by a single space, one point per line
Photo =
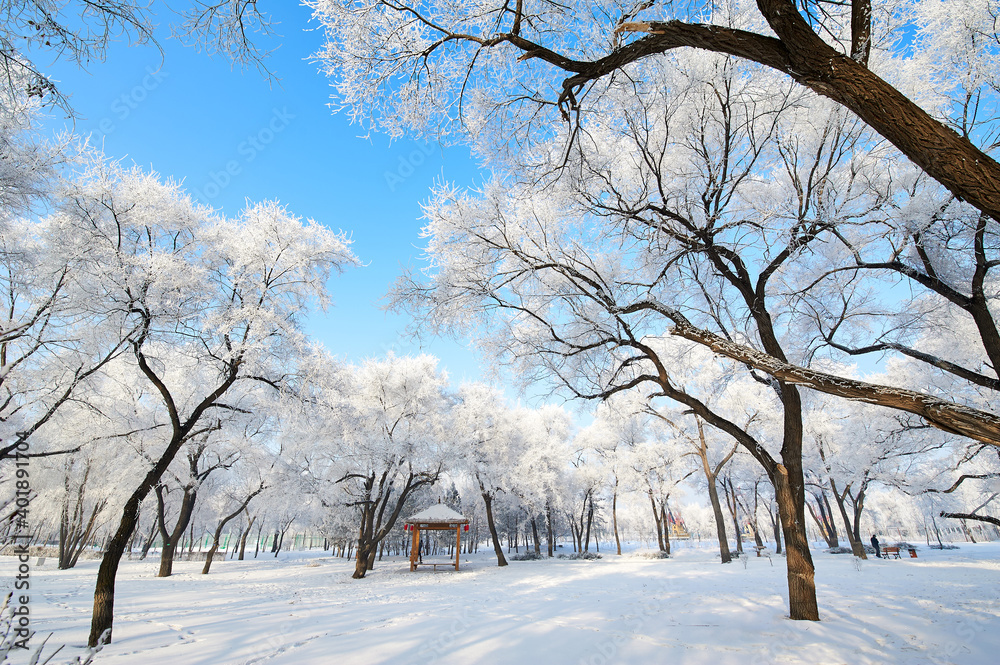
x=438 y=513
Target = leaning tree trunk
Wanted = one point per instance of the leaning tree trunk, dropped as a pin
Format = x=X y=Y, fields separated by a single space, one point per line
x=243 y=539
x=222 y=524
x=497 y=547
x=104 y=590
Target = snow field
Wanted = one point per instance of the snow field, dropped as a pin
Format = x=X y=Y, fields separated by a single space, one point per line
x=304 y=608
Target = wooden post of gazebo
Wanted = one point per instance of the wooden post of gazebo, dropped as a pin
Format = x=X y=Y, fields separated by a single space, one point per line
x=436 y=518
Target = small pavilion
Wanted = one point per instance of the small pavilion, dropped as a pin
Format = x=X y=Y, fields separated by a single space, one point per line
x=438 y=517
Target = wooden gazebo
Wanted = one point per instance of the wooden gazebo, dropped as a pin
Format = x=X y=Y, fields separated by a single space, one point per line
x=438 y=517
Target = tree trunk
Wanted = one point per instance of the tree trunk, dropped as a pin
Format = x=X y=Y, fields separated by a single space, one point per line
x=659 y=522
x=720 y=520
x=170 y=539
x=222 y=524
x=614 y=517
x=730 y=492
x=857 y=547
x=148 y=543
x=666 y=527
x=497 y=547
x=590 y=521
x=548 y=528
x=776 y=526
x=534 y=535
x=801 y=573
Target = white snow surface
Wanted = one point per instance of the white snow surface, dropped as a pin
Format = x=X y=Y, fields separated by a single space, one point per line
x=437 y=513
x=940 y=608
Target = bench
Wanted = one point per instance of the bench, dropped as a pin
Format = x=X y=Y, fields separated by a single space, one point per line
x=435 y=565
x=890 y=552
x=760 y=549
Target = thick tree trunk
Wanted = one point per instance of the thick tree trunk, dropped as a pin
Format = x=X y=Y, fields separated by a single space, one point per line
x=497 y=547
x=590 y=521
x=534 y=535
x=801 y=573
x=104 y=591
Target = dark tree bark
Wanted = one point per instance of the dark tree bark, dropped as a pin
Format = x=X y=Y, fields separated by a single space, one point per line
x=666 y=527
x=851 y=527
x=658 y=521
x=824 y=520
x=74 y=532
x=222 y=525
x=969 y=516
x=377 y=520
x=614 y=516
x=181 y=428
x=797 y=51
x=171 y=538
x=535 y=537
x=731 y=504
x=776 y=527
x=548 y=529
x=491 y=524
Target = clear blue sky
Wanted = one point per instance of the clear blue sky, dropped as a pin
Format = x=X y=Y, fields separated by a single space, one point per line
x=232 y=135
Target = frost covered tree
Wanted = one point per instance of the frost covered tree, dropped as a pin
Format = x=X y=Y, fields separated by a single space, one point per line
x=375 y=437
x=80 y=31
x=736 y=191
x=490 y=442
x=53 y=343
x=542 y=465
x=446 y=68
x=222 y=295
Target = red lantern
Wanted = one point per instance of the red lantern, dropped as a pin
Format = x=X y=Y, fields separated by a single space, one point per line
x=406 y=527
x=466 y=527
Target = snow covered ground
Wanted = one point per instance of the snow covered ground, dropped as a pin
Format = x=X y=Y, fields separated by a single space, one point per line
x=303 y=608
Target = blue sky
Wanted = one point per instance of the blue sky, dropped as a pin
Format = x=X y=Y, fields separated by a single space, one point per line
x=232 y=135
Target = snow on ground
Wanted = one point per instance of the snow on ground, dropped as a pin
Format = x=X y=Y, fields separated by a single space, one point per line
x=304 y=608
